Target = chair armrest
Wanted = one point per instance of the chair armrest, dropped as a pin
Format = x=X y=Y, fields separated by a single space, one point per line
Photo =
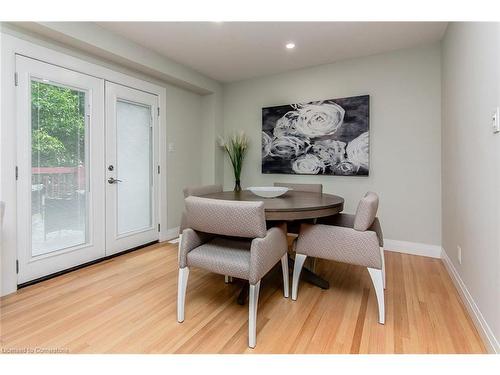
x=266 y=252
x=346 y=245
x=347 y=221
x=190 y=240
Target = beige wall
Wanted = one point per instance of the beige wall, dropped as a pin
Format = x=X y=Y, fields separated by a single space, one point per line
x=184 y=163
x=471 y=161
x=405 y=133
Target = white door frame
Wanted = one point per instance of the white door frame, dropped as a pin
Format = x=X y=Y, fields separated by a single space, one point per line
x=10 y=46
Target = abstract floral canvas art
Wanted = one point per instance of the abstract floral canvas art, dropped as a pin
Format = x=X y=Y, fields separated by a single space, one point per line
x=329 y=137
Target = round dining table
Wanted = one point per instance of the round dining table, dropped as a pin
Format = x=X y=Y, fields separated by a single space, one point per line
x=291 y=206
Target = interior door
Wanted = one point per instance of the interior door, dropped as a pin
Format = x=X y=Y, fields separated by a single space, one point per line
x=60 y=171
x=131 y=167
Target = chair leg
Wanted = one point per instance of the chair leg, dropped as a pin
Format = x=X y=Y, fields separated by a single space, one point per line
x=286 y=275
x=382 y=256
x=378 y=284
x=179 y=246
x=297 y=268
x=181 y=292
x=228 y=279
x=252 y=314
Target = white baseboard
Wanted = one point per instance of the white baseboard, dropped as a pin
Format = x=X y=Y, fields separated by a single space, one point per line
x=482 y=326
x=413 y=248
x=169 y=234
x=435 y=251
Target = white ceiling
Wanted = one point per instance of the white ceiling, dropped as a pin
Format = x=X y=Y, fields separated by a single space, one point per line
x=232 y=51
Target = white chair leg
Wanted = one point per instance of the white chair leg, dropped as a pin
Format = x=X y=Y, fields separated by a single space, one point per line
x=286 y=275
x=297 y=268
x=378 y=284
x=226 y=279
x=253 y=301
x=382 y=256
x=181 y=292
x=179 y=247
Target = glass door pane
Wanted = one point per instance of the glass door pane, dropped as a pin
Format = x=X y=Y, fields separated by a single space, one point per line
x=59 y=167
x=134 y=166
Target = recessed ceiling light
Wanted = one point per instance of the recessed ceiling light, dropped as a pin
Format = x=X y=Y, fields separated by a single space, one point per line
x=290 y=45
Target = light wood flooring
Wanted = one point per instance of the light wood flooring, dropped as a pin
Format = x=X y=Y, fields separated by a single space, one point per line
x=128 y=305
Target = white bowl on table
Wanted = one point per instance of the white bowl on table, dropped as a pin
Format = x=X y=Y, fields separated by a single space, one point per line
x=268 y=191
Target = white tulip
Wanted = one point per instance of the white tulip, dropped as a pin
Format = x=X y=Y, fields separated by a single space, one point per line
x=221 y=141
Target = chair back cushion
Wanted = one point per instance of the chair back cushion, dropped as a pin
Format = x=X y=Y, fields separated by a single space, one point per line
x=366 y=212
x=227 y=218
x=197 y=191
x=201 y=190
x=308 y=188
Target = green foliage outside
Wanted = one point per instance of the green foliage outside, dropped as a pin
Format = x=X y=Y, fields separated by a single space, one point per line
x=58 y=126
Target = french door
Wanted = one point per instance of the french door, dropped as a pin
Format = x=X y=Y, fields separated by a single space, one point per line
x=78 y=136
x=131 y=167
x=60 y=187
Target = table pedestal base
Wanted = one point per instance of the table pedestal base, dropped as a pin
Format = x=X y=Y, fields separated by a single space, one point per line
x=306 y=275
x=309 y=276
x=242 y=297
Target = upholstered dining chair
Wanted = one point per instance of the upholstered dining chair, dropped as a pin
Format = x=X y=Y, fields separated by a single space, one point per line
x=230 y=238
x=347 y=221
x=197 y=191
x=354 y=239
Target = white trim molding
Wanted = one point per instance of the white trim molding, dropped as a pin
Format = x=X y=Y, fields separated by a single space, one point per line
x=489 y=339
x=436 y=251
x=169 y=234
x=413 y=248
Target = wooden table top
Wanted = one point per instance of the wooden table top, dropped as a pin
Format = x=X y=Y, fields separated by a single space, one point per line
x=293 y=205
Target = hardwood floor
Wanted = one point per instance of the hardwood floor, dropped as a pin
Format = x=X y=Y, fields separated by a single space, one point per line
x=128 y=305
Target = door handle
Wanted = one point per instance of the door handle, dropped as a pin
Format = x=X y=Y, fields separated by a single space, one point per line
x=112 y=180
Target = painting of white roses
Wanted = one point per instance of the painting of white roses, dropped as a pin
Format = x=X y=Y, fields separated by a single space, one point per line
x=329 y=137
